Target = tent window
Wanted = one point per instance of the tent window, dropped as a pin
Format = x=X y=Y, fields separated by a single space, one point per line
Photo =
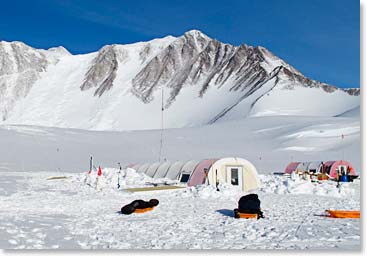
x=185 y=178
x=234 y=176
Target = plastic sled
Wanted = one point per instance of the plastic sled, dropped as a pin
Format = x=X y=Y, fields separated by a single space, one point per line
x=344 y=214
x=143 y=210
x=240 y=215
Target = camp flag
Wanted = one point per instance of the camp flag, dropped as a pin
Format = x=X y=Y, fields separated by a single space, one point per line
x=99 y=171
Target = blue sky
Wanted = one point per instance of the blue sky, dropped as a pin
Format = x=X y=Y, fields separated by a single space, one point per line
x=318 y=37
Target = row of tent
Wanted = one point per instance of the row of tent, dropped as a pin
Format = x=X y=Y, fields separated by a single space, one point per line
x=236 y=171
x=331 y=168
x=233 y=170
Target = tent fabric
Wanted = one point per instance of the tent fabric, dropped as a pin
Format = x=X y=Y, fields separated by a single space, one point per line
x=188 y=168
x=314 y=166
x=303 y=166
x=291 y=167
x=332 y=167
x=162 y=170
x=152 y=169
x=174 y=170
x=218 y=173
x=198 y=175
x=143 y=168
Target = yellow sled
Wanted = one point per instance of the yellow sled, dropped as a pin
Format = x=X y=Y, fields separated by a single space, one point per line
x=344 y=214
x=240 y=215
x=143 y=210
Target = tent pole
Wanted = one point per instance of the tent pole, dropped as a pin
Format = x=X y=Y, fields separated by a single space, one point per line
x=90 y=164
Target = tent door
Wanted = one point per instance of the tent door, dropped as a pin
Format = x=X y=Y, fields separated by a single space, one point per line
x=234 y=175
x=342 y=170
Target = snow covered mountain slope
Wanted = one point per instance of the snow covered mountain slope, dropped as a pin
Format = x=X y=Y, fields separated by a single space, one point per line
x=20 y=67
x=120 y=87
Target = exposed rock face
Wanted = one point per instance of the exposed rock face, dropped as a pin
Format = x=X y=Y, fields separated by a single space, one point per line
x=353 y=91
x=102 y=72
x=196 y=60
x=20 y=67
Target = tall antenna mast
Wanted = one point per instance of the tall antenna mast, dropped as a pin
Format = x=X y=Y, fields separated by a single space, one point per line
x=162 y=111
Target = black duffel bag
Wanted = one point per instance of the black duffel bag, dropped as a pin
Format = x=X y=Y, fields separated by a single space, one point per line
x=250 y=204
x=138 y=204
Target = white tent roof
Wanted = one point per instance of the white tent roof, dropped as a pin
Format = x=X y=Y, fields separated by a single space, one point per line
x=162 y=170
x=314 y=165
x=303 y=166
x=152 y=169
x=143 y=168
x=174 y=170
x=189 y=166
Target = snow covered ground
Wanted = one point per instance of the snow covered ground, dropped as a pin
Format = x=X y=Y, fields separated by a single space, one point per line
x=70 y=213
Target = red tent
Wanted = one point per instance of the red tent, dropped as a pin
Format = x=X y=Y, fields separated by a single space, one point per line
x=291 y=167
x=198 y=175
x=332 y=167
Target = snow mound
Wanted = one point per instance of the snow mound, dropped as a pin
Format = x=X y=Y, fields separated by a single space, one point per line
x=226 y=191
x=126 y=178
x=296 y=185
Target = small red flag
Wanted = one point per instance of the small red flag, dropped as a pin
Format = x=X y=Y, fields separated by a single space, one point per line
x=99 y=171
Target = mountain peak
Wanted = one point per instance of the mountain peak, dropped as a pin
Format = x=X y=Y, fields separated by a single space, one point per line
x=195 y=33
x=7 y=44
x=59 y=50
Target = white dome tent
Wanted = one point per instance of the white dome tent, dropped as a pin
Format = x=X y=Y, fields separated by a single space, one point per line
x=235 y=171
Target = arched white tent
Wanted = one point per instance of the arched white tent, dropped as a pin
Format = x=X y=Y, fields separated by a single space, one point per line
x=152 y=169
x=303 y=166
x=187 y=169
x=314 y=166
x=142 y=168
x=174 y=170
x=236 y=171
x=162 y=170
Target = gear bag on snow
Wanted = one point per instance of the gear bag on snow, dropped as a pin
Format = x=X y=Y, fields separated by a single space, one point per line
x=138 y=204
x=250 y=204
